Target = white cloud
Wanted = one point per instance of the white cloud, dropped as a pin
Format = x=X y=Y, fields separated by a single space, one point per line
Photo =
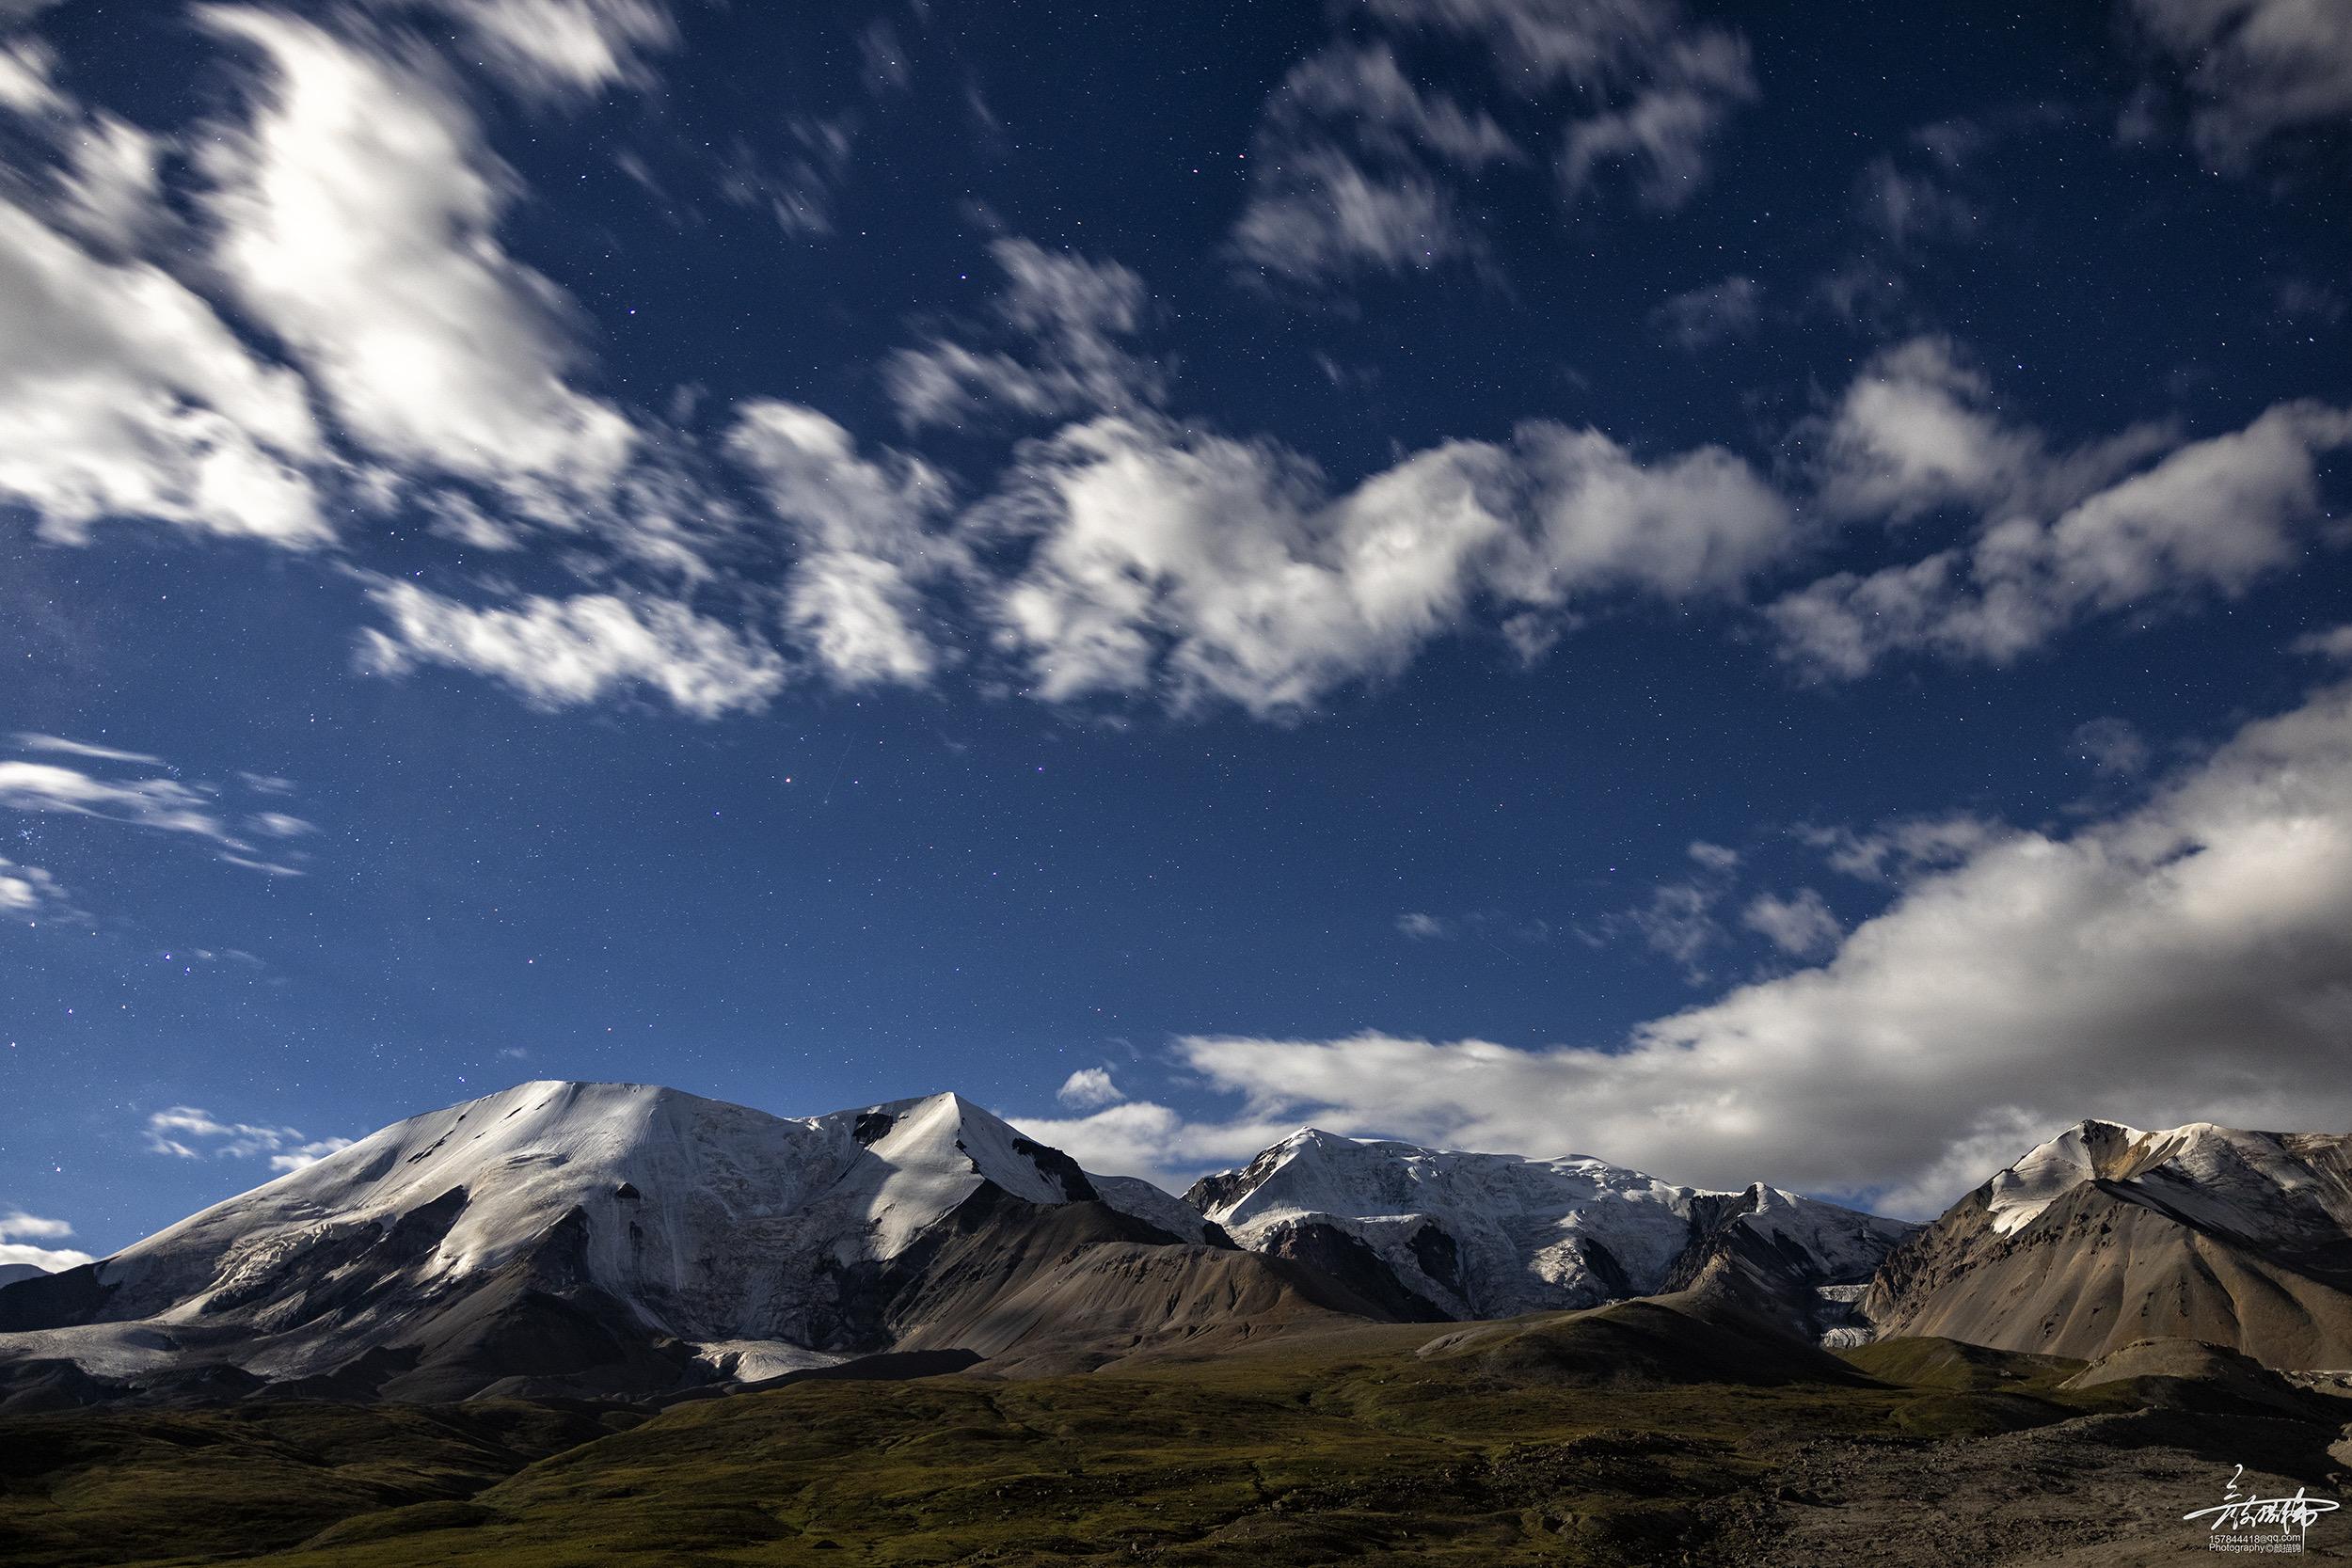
x=1652 y=91
x=457 y=517
x=2333 y=643
x=1694 y=523
x=123 y=395
x=1224 y=569
x=1072 y=315
x=356 y=218
x=1662 y=137
x=110 y=190
x=1678 y=919
x=1363 y=86
x=165 y=805
x=865 y=537
x=1714 y=857
x=559 y=49
x=1917 y=431
x=1909 y=207
x=28 y=70
x=308 y=1154
x=799 y=191
x=1420 y=928
x=19 y=1230
x=2110 y=746
x=1318 y=215
x=29 y=893
x=560 y=652
x=2257 y=69
x=2060 y=537
x=1089 y=1089
x=33 y=742
x=1351 y=169
x=18 y=1225
x=162 y=803
x=191 y=1132
x=1713 y=313
x=1801 y=925
x=1141 y=1138
x=2189 y=960
x=1679 y=922
x=2304 y=300
x=1903 y=848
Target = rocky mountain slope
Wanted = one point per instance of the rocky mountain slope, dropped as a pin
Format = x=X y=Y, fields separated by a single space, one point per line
x=1445 y=1234
x=608 y=1237
x=2107 y=1235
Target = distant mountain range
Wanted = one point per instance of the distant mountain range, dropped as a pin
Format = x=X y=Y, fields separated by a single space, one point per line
x=1457 y=1235
x=624 y=1241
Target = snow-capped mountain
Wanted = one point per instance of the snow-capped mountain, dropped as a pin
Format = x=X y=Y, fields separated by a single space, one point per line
x=11 y=1272
x=1494 y=1235
x=2106 y=1235
x=556 y=1228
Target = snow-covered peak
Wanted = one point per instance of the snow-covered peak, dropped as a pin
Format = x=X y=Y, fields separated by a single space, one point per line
x=1495 y=1234
x=1317 y=1172
x=929 y=1154
x=2250 y=1183
x=692 y=1209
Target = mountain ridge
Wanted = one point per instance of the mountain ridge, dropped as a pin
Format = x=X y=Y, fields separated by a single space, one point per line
x=631 y=1241
x=1482 y=1235
x=553 y=1227
x=2105 y=1235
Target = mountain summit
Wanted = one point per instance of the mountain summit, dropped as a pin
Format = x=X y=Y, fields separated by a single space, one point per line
x=584 y=1238
x=2106 y=1235
x=1496 y=1235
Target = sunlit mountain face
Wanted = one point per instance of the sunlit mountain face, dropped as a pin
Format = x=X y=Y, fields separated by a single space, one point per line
x=1753 y=594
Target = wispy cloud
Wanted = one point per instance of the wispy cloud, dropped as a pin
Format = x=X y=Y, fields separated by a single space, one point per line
x=29 y=893
x=1710 y=314
x=165 y=805
x=1362 y=165
x=2255 y=70
x=1072 y=319
x=191 y=1132
x=2061 y=535
x=30 y=741
x=561 y=652
x=563 y=50
x=1800 y=925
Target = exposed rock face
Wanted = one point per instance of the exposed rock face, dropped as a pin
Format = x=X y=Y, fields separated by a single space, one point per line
x=2106 y=1235
x=1494 y=1235
x=609 y=1239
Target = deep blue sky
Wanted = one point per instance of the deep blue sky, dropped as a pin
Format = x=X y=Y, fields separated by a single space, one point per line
x=849 y=886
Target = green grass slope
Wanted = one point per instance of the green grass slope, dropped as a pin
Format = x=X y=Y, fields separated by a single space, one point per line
x=1613 y=1437
x=107 y=1487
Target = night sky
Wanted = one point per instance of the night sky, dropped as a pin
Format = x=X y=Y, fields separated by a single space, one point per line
x=1756 y=591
